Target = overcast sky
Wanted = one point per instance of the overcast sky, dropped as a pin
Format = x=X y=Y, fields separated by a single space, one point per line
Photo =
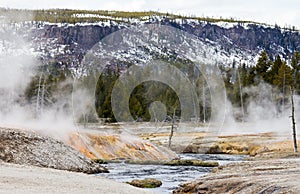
x=282 y=12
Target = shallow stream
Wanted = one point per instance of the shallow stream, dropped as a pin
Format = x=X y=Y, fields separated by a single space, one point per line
x=171 y=176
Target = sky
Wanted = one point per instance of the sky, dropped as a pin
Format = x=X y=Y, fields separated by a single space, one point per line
x=281 y=12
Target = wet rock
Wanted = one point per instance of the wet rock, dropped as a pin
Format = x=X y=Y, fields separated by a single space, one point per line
x=99 y=161
x=268 y=176
x=29 y=148
x=146 y=183
x=192 y=163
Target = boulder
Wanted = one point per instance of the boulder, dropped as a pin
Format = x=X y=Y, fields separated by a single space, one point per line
x=146 y=183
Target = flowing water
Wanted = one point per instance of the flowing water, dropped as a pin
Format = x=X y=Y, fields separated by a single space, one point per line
x=171 y=176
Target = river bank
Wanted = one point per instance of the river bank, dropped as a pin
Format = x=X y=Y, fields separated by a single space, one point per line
x=16 y=178
x=263 y=176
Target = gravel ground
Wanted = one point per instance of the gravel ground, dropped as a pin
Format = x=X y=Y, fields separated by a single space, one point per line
x=16 y=178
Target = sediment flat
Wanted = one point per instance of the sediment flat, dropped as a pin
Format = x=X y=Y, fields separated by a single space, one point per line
x=16 y=178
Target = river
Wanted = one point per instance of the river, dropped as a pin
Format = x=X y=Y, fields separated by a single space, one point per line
x=171 y=176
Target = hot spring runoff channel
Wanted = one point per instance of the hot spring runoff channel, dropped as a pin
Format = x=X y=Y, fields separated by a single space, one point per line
x=171 y=176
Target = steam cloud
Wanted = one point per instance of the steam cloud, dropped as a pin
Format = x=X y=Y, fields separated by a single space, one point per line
x=18 y=65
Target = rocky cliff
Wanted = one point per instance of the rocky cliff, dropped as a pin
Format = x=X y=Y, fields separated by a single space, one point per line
x=65 y=44
x=237 y=41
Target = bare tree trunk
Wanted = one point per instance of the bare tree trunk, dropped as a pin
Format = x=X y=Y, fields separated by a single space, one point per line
x=241 y=96
x=172 y=129
x=293 y=122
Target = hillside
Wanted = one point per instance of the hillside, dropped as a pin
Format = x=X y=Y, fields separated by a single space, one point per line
x=64 y=36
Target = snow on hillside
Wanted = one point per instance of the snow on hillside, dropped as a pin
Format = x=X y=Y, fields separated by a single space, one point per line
x=67 y=49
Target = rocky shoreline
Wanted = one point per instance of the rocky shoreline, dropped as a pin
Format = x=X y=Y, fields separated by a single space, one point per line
x=263 y=176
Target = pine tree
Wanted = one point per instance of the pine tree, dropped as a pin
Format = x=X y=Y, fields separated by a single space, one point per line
x=296 y=70
x=262 y=67
x=284 y=78
x=275 y=69
x=296 y=61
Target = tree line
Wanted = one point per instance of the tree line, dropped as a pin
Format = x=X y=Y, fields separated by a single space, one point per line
x=280 y=74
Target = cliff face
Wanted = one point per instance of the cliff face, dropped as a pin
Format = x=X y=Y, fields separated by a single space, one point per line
x=86 y=36
x=246 y=36
x=251 y=37
x=66 y=44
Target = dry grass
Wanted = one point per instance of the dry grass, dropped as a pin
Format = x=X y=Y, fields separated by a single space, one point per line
x=93 y=16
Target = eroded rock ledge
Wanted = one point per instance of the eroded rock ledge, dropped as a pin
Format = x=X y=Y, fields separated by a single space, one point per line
x=29 y=148
x=267 y=176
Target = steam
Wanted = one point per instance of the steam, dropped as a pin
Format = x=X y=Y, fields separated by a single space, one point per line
x=264 y=113
x=18 y=65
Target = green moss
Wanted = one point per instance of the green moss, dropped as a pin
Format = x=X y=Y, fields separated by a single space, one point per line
x=146 y=183
x=100 y=161
x=147 y=162
x=192 y=163
x=176 y=162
